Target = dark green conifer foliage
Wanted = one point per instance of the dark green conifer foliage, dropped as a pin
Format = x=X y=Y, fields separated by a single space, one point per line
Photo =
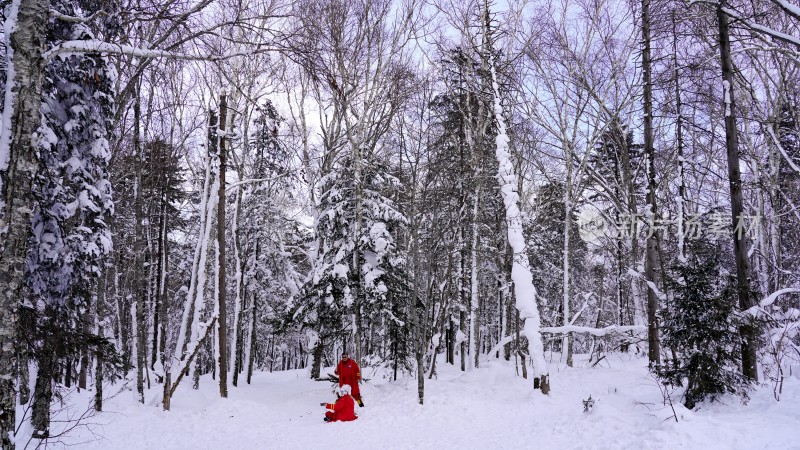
x=701 y=324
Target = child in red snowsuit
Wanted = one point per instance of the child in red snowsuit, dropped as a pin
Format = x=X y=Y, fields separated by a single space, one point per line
x=349 y=375
x=344 y=408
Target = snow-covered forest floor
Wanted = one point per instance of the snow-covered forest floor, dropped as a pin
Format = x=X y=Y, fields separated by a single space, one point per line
x=485 y=408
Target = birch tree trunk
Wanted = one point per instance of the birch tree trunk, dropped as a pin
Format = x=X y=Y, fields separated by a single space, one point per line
x=357 y=287
x=566 y=342
x=196 y=284
x=25 y=34
x=629 y=299
x=524 y=290
x=474 y=311
x=654 y=344
x=462 y=292
x=417 y=307
x=159 y=302
x=199 y=331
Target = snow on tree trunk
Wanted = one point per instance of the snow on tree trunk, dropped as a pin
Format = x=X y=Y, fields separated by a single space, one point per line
x=162 y=285
x=200 y=329
x=24 y=33
x=524 y=289
x=417 y=308
x=474 y=320
x=218 y=347
x=247 y=361
x=187 y=320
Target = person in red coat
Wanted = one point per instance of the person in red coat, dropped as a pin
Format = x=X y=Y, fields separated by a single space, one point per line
x=349 y=374
x=344 y=408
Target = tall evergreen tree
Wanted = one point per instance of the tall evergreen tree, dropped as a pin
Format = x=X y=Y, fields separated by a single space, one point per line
x=328 y=297
x=701 y=325
x=73 y=194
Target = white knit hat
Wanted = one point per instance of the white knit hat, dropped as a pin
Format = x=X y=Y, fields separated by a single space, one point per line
x=345 y=389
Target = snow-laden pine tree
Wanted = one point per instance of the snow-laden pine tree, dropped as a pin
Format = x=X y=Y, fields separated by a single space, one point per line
x=74 y=202
x=358 y=56
x=701 y=325
x=352 y=272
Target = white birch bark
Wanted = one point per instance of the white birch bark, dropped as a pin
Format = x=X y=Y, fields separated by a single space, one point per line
x=474 y=333
x=187 y=319
x=24 y=33
x=199 y=328
x=566 y=343
x=237 y=306
x=526 y=299
x=217 y=345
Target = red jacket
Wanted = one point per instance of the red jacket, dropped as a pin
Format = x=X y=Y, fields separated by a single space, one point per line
x=343 y=409
x=349 y=373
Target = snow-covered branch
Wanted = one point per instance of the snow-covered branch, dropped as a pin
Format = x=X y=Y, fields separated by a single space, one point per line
x=611 y=329
x=782 y=150
x=650 y=284
x=253 y=181
x=194 y=347
x=788 y=8
x=775 y=34
x=76 y=19
x=500 y=345
x=770 y=299
x=582 y=308
x=96 y=46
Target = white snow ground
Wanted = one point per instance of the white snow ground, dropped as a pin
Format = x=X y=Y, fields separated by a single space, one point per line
x=488 y=408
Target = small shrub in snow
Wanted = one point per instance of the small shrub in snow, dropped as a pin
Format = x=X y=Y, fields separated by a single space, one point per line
x=588 y=404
